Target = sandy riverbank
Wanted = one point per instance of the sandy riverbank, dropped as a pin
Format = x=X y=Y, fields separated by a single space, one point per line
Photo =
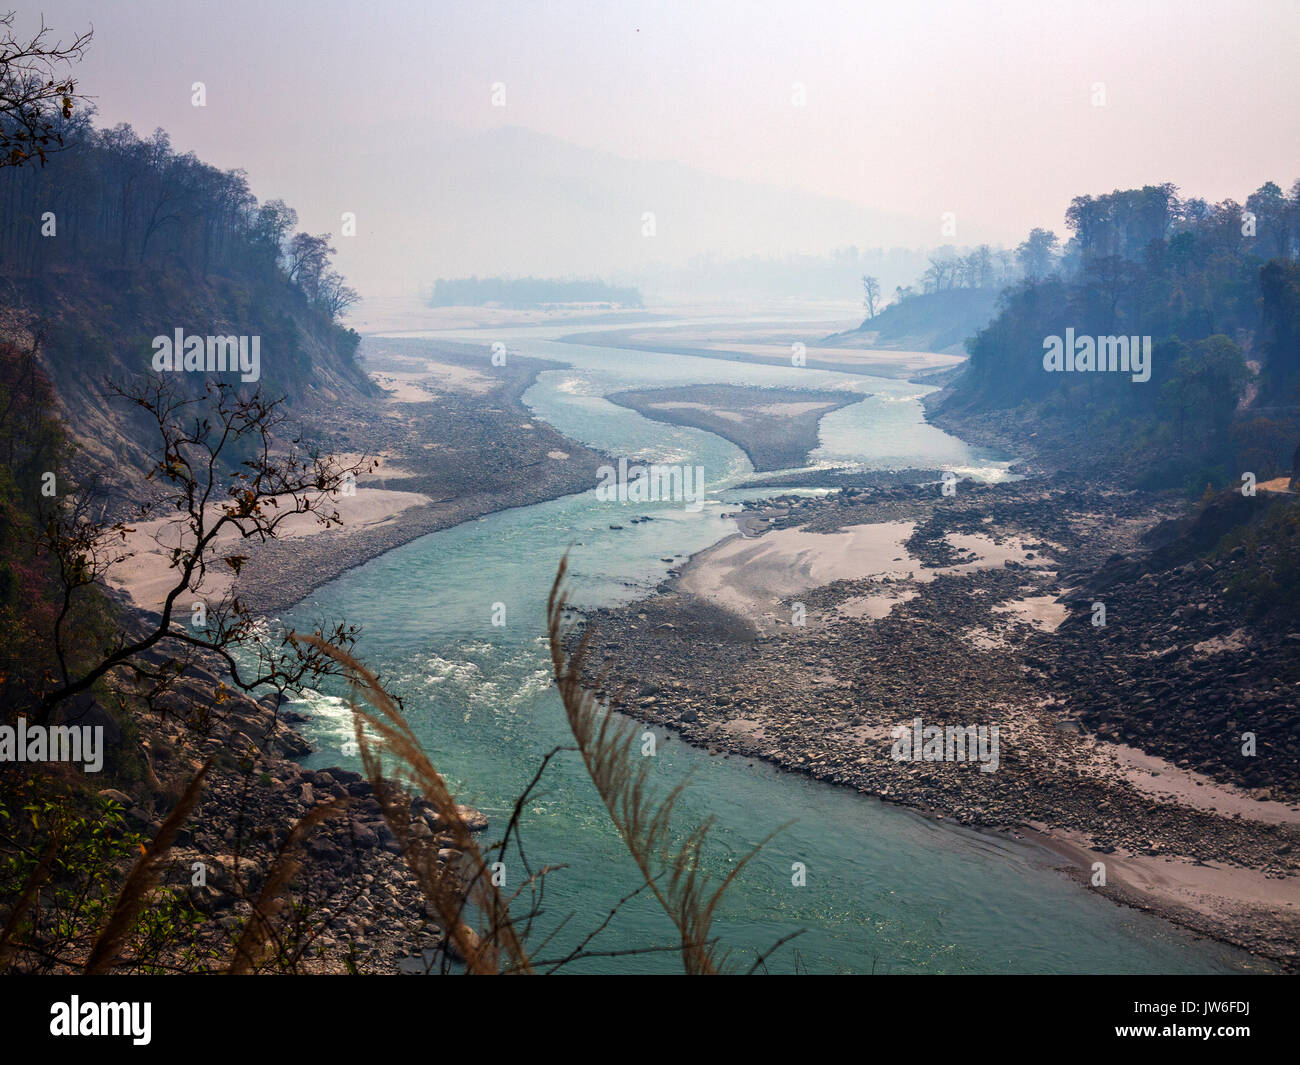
x=147 y=577
x=753 y=576
x=455 y=442
x=768 y=344
x=951 y=620
x=778 y=428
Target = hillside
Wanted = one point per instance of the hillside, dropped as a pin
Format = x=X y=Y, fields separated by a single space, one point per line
x=1188 y=342
x=120 y=240
x=932 y=321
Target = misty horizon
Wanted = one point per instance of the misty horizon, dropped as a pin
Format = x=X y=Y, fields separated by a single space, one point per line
x=748 y=132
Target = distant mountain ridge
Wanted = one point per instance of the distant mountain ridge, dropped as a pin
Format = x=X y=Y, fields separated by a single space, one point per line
x=512 y=201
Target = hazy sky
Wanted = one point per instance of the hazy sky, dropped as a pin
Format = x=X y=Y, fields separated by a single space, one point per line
x=911 y=108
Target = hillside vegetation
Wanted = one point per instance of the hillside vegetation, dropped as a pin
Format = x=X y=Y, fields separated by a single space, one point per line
x=1215 y=287
x=928 y=321
x=120 y=239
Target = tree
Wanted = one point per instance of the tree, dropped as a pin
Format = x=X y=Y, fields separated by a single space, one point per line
x=1203 y=389
x=36 y=95
x=1279 y=339
x=1035 y=255
x=1272 y=219
x=227 y=480
x=271 y=227
x=306 y=262
x=335 y=295
x=942 y=273
x=870 y=294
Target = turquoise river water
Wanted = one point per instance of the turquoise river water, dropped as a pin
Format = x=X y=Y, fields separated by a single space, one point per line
x=888 y=891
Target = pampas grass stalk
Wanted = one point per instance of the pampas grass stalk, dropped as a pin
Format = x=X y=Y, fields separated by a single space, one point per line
x=608 y=747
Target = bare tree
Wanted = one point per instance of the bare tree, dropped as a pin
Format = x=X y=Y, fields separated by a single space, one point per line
x=870 y=295
x=227 y=483
x=335 y=295
x=36 y=93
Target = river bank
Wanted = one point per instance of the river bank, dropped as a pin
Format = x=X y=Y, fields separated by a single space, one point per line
x=313 y=850
x=832 y=622
x=453 y=442
x=777 y=428
x=913 y=584
x=768 y=344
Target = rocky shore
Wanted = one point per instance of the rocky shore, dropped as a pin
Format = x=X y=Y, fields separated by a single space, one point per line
x=354 y=906
x=1121 y=743
x=455 y=442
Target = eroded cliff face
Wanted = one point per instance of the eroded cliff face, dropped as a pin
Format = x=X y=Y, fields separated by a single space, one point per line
x=97 y=329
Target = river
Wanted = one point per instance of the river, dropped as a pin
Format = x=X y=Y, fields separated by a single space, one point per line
x=887 y=890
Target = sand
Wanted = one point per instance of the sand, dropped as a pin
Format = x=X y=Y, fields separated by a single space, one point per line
x=1169 y=782
x=448 y=377
x=792 y=711
x=752 y=576
x=776 y=428
x=402 y=387
x=147 y=576
x=1164 y=884
x=765 y=342
x=858 y=359
x=418 y=386
x=729 y=415
x=874 y=607
x=1043 y=612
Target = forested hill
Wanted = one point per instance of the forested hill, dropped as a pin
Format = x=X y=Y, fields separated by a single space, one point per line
x=1215 y=287
x=118 y=240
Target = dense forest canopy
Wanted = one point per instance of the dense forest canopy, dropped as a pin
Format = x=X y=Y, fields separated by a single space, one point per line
x=113 y=199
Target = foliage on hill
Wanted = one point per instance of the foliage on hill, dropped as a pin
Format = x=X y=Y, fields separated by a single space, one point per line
x=1268 y=578
x=1217 y=290
x=31 y=443
x=930 y=321
x=120 y=239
